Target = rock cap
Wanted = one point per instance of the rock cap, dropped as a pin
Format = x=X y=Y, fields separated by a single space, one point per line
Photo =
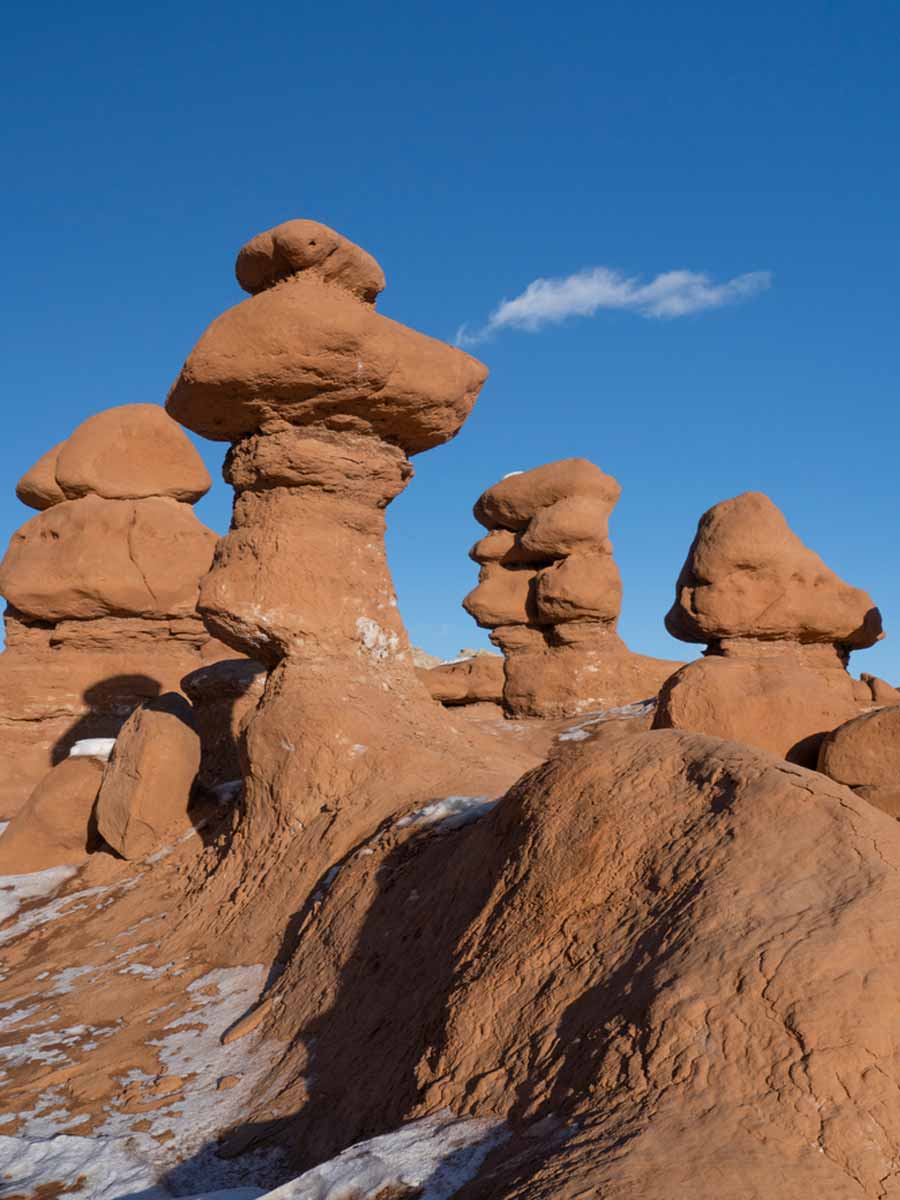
x=303 y=245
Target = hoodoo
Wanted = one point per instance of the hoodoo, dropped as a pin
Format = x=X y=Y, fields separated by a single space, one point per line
x=323 y=400
x=550 y=592
x=779 y=627
x=102 y=588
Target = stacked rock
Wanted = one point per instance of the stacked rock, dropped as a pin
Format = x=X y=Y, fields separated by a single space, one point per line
x=550 y=592
x=323 y=400
x=779 y=626
x=102 y=588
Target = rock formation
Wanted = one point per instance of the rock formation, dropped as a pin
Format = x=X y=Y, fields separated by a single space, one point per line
x=550 y=592
x=102 y=588
x=323 y=400
x=864 y=754
x=55 y=826
x=779 y=627
x=471 y=679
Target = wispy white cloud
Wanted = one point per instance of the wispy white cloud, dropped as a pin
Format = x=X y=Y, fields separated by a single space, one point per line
x=671 y=294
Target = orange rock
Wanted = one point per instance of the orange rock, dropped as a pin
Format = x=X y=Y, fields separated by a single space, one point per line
x=516 y=500
x=224 y=696
x=147 y=786
x=295 y=246
x=96 y=558
x=504 y=596
x=38 y=487
x=54 y=827
x=475 y=679
x=864 y=754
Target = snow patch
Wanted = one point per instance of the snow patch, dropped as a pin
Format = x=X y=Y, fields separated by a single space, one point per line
x=453 y=812
x=227 y=792
x=16 y=889
x=640 y=708
x=93 y=748
x=438 y=1154
x=377 y=642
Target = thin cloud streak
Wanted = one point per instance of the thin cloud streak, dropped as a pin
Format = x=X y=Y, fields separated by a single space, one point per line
x=671 y=294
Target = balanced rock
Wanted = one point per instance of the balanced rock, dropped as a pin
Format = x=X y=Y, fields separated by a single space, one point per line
x=323 y=399
x=551 y=593
x=147 y=787
x=780 y=627
x=102 y=587
x=864 y=754
x=55 y=826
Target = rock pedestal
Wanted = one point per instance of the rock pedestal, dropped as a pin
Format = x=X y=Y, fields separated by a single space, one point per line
x=323 y=400
x=102 y=588
x=779 y=627
x=550 y=592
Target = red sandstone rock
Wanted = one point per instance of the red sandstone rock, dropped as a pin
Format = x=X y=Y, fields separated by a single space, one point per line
x=748 y=575
x=864 y=754
x=479 y=678
x=879 y=692
x=295 y=246
x=515 y=500
x=96 y=558
x=555 y=619
x=129 y=453
x=308 y=352
x=147 y=786
x=54 y=827
x=38 y=487
x=785 y=704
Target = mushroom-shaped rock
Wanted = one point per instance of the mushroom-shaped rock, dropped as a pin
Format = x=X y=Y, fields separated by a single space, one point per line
x=54 y=828
x=128 y=453
x=96 y=558
x=147 y=786
x=38 y=487
x=309 y=246
x=309 y=352
x=864 y=754
x=748 y=575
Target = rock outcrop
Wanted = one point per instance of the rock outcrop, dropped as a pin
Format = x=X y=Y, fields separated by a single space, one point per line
x=223 y=695
x=55 y=826
x=470 y=679
x=102 y=587
x=864 y=754
x=550 y=592
x=323 y=400
x=779 y=627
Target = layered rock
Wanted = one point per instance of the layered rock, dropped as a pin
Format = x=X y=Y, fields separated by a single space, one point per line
x=550 y=592
x=779 y=627
x=323 y=399
x=864 y=754
x=102 y=587
x=471 y=679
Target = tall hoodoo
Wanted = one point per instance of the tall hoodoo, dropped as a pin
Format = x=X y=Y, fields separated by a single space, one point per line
x=102 y=587
x=779 y=627
x=323 y=400
x=550 y=591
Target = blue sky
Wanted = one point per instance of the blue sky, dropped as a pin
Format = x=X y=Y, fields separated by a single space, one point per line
x=474 y=149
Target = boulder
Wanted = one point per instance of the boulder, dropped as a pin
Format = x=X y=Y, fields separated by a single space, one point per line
x=307 y=246
x=129 y=453
x=748 y=575
x=38 y=487
x=55 y=826
x=504 y=596
x=864 y=754
x=785 y=705
x=582 y=587
x=148 y=783
x=516 y=500
x=98 y=558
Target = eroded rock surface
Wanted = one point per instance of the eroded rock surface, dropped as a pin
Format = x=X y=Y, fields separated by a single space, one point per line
x=864 y=754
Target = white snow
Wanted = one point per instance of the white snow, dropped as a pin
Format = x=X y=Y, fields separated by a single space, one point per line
x=93 y=748
x=377 y=642
x=227 y=792
x=640 y=708
x=509 y=474
x=453 y=812
x=437 y=1154
x=16 y=889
